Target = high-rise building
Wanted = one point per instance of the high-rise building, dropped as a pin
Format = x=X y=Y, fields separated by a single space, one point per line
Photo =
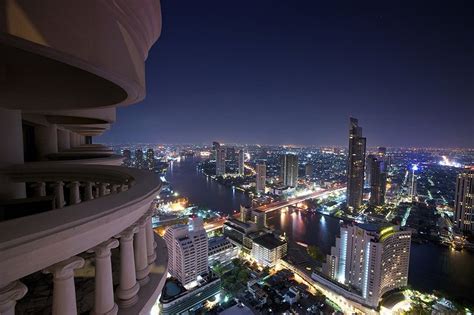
x=289 y=169
x=150 y=158
x=242 y=162
x=308 y=170
x=139 y=158
x=371 y=258
x=187 y=251
x=356 y=163
x=463 y=201
x=261 y=177
x=368 y=168
x=378 y=180
x=220 y=161
x=215 y=145
x=230 y=154
x=127 y=154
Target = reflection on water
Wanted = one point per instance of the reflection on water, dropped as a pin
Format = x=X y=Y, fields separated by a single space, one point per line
x=431 y=266
x=201 y=190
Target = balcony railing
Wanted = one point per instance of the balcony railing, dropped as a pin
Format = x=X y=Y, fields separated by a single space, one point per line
x=104 y=204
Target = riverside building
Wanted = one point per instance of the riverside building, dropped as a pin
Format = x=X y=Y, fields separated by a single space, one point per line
x=370 y=259
x=187 y=251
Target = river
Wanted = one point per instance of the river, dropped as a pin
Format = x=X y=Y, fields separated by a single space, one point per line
x=431 y=267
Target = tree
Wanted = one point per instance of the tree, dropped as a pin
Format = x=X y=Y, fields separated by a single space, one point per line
x=315 y=253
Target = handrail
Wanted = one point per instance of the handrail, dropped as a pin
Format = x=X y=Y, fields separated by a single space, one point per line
x=51 y=236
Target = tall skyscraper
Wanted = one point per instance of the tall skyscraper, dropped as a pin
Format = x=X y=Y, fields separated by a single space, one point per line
x=187 y=251
x=220 y=161
x=261 y=177
x=463 y=201
x=378 y=180
x=371 y=258
x=150 y=158
x=241 y=162
x=289 y=169
x=230 y=154
x=356 y=163
x=127 y=157
x=139 y=158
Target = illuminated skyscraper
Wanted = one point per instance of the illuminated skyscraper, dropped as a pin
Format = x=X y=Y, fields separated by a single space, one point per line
x=187 y=251
x=371 y=258
x=378 y=180
x=220 y=161
x=150 y=158
x=139 y=158
x=463 y=201
x=261 y=177
x=241 y=162
x=127 y=157
x=289 y=169
x=356 y=163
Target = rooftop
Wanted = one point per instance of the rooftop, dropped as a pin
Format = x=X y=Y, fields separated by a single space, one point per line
x=269 y=241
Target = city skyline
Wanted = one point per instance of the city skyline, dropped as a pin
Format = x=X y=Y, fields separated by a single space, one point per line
x=313 y=64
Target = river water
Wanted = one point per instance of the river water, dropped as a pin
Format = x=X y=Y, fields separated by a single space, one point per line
x=431 y=267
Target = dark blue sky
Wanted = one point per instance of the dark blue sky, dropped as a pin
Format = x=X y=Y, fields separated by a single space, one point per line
x=279 y=72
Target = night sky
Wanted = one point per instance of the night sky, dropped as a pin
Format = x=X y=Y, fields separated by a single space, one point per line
x=281 y=72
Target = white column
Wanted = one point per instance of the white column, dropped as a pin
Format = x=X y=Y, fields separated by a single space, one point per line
x=46 y=138
x=150 y=240
x=64 y=291
x=88 y=195
x=128 y=287
x=74 y=195
x=40 y=189
x=64 y=140
x=59 y=194
x=9 y=295
x=102 y=189
x=104 y=290
x=12 y=152
x=141 y=257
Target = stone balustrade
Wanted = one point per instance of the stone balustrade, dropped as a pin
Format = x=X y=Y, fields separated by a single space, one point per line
x=54 y=179
x=118 y=219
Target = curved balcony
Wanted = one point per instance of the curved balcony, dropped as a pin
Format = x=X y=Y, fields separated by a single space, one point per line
x=86 y=154
x=62 y=55
x=94 y=209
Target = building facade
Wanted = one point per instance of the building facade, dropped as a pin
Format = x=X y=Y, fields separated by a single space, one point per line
x=261 y=177
x=463 y=201
x=187 y=251
x=268 y=249
x=241 y=162
x=356 y=165
x=221 y=250
x=372 y=259
x=289 y=169
x=378 y=180
x=220 y=161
